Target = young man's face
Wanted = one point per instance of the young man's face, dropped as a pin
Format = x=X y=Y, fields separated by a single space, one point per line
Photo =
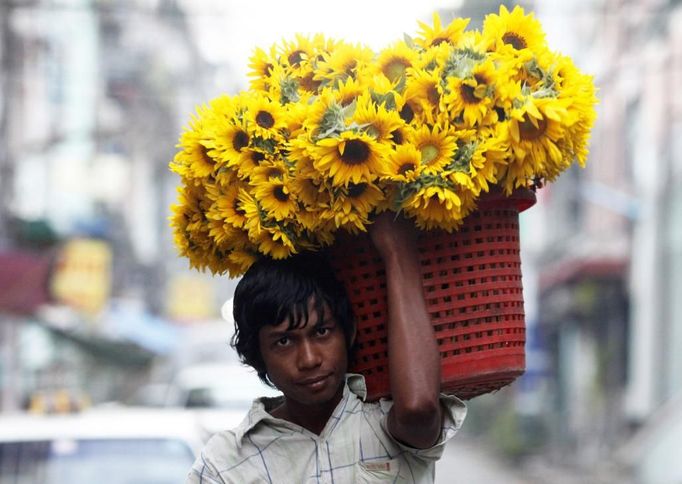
x=307 y=364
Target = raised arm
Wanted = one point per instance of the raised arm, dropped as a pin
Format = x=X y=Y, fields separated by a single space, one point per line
x=414 y=361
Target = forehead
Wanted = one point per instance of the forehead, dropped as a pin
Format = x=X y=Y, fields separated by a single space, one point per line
x=302 y=319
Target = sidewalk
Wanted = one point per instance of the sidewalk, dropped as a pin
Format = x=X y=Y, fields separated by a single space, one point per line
x=465 y=462
x=468 y=461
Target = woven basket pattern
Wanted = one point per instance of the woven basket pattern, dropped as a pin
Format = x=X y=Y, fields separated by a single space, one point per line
x=474 y=295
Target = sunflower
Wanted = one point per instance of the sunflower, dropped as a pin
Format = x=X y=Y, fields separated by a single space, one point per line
x=404 y=164
x=578 y=89
x=489 y=158
x=276 y=241
x=275 y=197
x=266 y=118
x=534 y=131
x=423 y=89
x=190 y=226
x=275 y=170
x=514 y=30
x=471 y=100
x=194 y=160
x=349 y=158
x=345 y=91
x=378 y=122
x=242 y=260
x=436 y=146
x=394 y=61
x=230 y=140
x=301 y=158
x=227 y=205
x=311 y=193
x=297 y=54
x=250 y=159
x=432 y=36
x=261 y=64
x=344 y=61
x=435 y=206
x=253 y=213
x=359 y=198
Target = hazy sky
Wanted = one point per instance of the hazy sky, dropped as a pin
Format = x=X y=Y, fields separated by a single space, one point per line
x=228 y=31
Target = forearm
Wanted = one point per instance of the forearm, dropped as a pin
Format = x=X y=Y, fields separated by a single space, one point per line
x=414 y=360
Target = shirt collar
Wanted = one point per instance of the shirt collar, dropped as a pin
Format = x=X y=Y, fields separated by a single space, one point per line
x=355 y=384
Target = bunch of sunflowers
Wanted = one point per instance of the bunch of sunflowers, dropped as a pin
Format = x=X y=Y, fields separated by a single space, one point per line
x=330 y=133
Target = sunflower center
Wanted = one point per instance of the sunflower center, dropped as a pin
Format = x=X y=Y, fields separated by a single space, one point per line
x=429 y=153
x=267 y=70
x=355 y=153
x=274 y=173
x=348 y=68
x=237 y=208
x=515 y=40
x=257 y=157
x=405 y=167
x=356 y=189
x=407 y=113
x=295 y=57
x=308 y=83
x=205 y=156
x=439 y=40
x=529 y=132
x=397 y=137
x=280 y=194
x=395 y=69
x=468 y=94
x=240 y=140
x=432 y=95
x=265 y=120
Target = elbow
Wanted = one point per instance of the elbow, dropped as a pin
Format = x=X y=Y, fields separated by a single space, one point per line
x=421 y=412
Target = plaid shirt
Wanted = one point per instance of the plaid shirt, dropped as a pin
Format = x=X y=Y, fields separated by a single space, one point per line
x=355 y=446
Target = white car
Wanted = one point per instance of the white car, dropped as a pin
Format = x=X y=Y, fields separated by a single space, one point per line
x=116 y=445
x=220 y=394
x=220 y=385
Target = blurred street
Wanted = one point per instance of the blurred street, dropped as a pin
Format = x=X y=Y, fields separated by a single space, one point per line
x=102 y=322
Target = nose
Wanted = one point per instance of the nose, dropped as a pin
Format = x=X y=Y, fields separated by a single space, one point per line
x=309 y=356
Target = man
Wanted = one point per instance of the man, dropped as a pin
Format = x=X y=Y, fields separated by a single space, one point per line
x=295 y=327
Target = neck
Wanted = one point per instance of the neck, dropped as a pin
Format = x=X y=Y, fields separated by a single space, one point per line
x=311 y=417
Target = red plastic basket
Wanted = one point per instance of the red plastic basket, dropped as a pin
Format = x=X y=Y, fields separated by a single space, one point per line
x=473 y=291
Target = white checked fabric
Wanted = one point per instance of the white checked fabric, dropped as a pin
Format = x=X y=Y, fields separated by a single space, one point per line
x=354 y=447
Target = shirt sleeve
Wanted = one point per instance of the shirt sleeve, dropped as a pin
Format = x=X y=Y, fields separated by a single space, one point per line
x=203 y=472
x=454 y=413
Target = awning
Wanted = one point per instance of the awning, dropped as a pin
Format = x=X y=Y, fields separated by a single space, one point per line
x=24 y=279
x=573 y=270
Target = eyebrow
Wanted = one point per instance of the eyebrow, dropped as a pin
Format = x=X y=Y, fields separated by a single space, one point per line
x=275 y=335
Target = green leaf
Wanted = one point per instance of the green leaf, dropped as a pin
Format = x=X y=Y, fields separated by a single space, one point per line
x=289 y=88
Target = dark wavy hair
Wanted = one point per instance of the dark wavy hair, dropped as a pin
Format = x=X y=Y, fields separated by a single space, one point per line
x=273 y=290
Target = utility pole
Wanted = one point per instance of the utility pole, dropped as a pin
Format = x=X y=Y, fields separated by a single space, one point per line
x=7 y=63
x=8 y=335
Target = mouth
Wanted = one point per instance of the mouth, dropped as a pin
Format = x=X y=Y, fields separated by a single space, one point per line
x=315 y=381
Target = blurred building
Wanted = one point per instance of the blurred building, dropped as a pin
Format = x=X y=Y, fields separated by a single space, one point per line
x=94 y=94
x=606 y=240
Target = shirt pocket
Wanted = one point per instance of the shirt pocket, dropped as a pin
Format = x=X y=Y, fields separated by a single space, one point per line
x=387 y=470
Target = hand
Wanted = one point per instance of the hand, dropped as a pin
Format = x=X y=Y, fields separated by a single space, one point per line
x=392 y=234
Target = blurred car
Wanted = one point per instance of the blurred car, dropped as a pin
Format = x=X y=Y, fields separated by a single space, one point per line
x=219 y=385
x=115 y=445
x=220 y=394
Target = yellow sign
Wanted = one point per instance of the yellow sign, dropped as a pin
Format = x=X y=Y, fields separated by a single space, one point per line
x=190 y=298
x=82 y=277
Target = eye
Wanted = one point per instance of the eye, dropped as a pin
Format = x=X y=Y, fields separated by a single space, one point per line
x=323 y=331
x=283 y=341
